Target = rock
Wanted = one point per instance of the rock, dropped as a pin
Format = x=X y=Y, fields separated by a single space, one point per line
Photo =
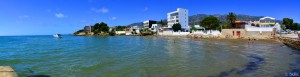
x=292 y=42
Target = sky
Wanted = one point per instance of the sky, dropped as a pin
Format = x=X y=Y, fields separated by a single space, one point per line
x=47 y=17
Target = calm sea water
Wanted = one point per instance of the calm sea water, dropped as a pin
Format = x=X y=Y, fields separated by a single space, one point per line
x=130 y=56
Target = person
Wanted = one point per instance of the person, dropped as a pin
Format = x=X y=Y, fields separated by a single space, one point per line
x=252 y=41
x=174 y=41
x=249 y=40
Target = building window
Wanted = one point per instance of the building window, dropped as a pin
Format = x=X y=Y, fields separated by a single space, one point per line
x=232 y=33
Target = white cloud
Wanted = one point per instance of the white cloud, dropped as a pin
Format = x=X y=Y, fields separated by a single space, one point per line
x=59 y=15
x=113 y=18
x=146 y=9
x=102 y=10
x=24 y=16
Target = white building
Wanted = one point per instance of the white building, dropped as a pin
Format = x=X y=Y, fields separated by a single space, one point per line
x=148 y=23
x=198 y=27
x=179 y=16
x=267 y=21
x=136 y=29
x=265 y=24
x=156 y=27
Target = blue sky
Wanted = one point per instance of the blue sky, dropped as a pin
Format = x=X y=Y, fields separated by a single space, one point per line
x=43 y=17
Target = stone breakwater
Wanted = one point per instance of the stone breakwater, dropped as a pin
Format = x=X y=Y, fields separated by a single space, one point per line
x=292 y=42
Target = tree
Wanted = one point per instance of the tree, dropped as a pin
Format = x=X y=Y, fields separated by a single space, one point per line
x=112 y=32
x=295 y=26
x=210 y=22
x=176 y=27
x=257 y=25
x=194 y=28
x=226 y=26
x=252 y=24
x=231 y=18
x=120 y=28
x=96 y=28
x=288 y=23
x=160 y=22
x=104 y=27
x=100 y=27
x=298 y=27
x=79 y=31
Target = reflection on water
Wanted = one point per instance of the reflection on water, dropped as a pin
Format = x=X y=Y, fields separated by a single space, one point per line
x=122 y=56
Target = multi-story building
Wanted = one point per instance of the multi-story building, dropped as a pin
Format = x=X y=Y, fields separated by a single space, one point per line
x=88 y=28
x=264 y=22
x=179 y=16
x=148 y=23
x=267 y=21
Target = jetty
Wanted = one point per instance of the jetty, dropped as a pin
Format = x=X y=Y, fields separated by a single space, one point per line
x=7 y=71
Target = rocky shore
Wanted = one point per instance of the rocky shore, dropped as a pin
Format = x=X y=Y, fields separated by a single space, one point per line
x=292 y=42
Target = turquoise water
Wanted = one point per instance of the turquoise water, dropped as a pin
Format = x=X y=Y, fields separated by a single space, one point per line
x=134 y=56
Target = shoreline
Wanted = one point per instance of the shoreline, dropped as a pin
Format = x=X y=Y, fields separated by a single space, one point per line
x=288 y=41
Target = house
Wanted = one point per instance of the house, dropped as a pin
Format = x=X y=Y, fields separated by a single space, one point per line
x=179 y=16
x=148 y=23
x=267 y=21
x=120 y=32
x=266 y=27
x=237 y=31
x=136 y=29
x=88 y=29
x=156 y=27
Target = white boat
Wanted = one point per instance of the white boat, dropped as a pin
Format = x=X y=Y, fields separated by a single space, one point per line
x=57 y=35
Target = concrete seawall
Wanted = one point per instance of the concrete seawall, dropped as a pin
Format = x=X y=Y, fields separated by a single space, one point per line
x=7 y=71
x=292 y=42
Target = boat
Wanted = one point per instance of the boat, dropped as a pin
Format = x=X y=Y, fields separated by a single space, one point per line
x=57 y=35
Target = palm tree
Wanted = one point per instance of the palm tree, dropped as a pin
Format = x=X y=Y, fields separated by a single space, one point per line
x=231 y=17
